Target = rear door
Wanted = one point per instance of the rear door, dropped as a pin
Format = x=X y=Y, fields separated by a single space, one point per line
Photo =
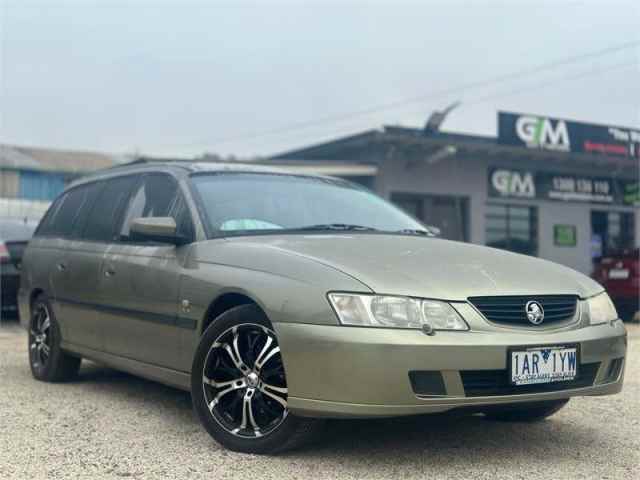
x=79 y=273
x=59 y=228
x=141 y=280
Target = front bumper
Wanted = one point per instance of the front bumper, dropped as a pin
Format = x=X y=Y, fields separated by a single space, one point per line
x=337 y=371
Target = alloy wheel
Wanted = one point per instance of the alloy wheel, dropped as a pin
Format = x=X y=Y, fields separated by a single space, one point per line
x=40 y=341
x=243 y=381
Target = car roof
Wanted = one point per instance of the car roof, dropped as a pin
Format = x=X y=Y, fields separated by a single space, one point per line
x=14 y=229
x=186 y=166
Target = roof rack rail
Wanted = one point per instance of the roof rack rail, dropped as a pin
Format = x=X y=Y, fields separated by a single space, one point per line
x=146 y=160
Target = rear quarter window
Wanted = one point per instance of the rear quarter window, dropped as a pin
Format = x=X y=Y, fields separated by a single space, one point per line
x=64 y=213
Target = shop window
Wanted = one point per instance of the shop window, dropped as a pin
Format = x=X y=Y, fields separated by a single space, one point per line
x=611 y=232
x=512 y=227
x=448 y=213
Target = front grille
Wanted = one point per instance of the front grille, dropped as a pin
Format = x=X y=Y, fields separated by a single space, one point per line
x=483 y=383
x=510 y=310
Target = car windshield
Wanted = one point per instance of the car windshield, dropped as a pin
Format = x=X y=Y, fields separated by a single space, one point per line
x=262 y=202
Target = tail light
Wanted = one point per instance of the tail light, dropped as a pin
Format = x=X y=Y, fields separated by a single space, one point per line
x=4 y=253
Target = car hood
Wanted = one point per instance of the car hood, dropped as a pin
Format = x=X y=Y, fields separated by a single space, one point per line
x=427 y=267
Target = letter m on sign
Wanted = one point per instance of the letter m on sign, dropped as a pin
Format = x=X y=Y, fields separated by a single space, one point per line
x=557 y=138
x=522 y=185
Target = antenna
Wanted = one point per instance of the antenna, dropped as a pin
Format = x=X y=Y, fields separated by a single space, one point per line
x=436 y=119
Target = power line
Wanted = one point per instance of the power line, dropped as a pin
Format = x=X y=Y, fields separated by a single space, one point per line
x=515 y=91
x=539 y=85
x=445 y=92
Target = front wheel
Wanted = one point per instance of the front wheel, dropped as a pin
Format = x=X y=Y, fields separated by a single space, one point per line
x=525 y=412
x=239 y=388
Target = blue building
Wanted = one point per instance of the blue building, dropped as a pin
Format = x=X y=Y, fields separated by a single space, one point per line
x=30 y=178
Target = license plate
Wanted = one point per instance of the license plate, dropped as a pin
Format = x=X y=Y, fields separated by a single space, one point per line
x=543 y=365
x=618 y=273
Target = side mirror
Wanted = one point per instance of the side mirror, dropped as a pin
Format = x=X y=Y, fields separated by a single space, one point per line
x=155 y=229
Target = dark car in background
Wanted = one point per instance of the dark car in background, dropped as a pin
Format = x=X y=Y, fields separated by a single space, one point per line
x=619 y=273
x=14 y=236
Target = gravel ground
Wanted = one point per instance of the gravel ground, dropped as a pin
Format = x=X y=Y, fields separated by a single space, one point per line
x=112 y=425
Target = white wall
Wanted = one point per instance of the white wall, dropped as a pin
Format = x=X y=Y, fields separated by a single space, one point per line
x=467 y=177
x=450 y=176
x=557 y=213
x=21 y=208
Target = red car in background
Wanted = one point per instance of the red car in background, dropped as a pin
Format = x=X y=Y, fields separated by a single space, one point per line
x=619 y=273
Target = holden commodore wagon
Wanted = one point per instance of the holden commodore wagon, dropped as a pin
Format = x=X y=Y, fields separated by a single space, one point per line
x=279 y=300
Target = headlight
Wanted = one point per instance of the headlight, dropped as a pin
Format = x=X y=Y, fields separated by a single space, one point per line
x=395 y=312
x=601 y=309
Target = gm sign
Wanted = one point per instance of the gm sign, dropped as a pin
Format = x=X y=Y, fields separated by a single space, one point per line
x=512 y=183
x=535 y=131
x=540 y=132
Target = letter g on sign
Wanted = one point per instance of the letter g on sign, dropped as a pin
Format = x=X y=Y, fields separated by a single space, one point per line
x=501 y=181
x=526 y=129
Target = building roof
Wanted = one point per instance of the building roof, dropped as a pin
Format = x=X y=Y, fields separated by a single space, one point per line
x=52 y=160
x=371 y=146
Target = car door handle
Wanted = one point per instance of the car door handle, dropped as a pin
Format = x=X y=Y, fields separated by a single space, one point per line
x=61 y=266
x=109 y=272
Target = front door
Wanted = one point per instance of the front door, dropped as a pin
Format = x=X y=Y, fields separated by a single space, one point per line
x=142 y=280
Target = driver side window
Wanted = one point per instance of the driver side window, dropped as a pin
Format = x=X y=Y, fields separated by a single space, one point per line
x=158 y=195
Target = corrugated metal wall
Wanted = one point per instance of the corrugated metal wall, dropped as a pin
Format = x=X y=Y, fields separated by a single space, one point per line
x=40 y=185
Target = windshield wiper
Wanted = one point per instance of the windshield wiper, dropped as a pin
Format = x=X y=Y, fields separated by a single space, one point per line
x=411 y=231
x=343 y=227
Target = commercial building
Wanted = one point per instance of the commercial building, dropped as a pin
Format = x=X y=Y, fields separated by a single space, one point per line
x=30 y=178
x=562 y=190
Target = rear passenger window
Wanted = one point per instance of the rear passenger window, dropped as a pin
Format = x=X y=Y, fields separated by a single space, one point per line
x=103 y=221
x=66 y=211
x=92 y=191
x=158 y=195
x=46 y=224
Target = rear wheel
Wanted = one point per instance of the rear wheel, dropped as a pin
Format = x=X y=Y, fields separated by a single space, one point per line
x=239 y=388
x=525 y=412
x=48 y=361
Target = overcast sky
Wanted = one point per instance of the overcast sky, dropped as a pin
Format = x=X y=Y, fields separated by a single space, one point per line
x=184 y=77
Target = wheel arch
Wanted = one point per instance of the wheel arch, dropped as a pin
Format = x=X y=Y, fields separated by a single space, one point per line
x=35 y=293
x=224 y=302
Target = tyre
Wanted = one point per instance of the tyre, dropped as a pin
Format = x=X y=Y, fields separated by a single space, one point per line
x=49 y=363
x=239 y=388
x=525 y=412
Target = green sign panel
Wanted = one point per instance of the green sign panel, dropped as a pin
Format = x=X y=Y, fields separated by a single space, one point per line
x=565 y=235
x=631 y=193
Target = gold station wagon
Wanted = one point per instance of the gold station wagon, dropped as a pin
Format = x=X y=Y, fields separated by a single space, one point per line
x=279 y=300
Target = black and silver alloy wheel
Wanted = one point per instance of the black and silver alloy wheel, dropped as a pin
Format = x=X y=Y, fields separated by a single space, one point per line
x=48 y=361
x=239 y=386
x=243 y=381
x=40 y=338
